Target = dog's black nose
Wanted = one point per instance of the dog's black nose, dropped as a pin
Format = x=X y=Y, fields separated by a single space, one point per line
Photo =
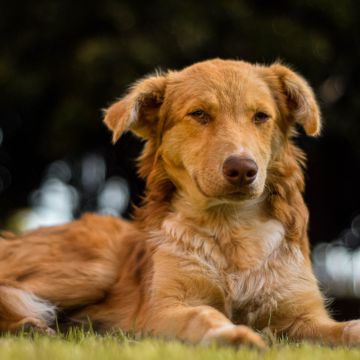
x=239 y=171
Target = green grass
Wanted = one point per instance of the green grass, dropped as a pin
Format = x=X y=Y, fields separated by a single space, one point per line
x=82 y=345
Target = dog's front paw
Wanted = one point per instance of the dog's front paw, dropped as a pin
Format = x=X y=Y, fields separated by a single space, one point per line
x=351 y=333
x=235 y=336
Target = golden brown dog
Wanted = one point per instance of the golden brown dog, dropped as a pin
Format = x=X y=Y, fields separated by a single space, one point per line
x=219 y=246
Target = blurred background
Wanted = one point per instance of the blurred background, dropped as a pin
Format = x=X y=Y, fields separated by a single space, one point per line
x=63 y=61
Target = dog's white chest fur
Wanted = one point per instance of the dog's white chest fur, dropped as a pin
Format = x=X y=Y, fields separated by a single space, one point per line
x=260 y=244
x=266 y=236
x=257 y=293
x=268 y=266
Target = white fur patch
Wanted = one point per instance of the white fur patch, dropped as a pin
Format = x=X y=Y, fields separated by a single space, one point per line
x=271 y=234
x=259 y=291
x=26 y=304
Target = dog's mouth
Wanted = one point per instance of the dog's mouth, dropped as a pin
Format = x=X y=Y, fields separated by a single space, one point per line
x=240 y=195
x=228 y=194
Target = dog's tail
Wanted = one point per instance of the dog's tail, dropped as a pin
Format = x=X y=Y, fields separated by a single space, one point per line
x=20 y=308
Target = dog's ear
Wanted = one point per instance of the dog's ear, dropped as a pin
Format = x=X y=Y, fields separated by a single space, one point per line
x=299 y=98
x=138 y=110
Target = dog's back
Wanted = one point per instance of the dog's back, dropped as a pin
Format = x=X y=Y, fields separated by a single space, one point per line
x=65 y=267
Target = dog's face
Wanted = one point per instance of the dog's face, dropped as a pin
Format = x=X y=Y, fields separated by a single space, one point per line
x=219 y=134
x=217 y=125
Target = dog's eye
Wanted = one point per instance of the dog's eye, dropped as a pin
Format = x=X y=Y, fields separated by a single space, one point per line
x=201 y=116
x=260 y=117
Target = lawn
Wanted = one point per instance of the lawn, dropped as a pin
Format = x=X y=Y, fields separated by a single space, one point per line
x=89 y=346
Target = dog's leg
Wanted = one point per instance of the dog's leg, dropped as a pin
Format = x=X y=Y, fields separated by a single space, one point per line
x=167 y=317
x=194 y=324
x=189 y=306
x=201 y=324
x=326 y=330
x=303 y=316
x=20 y=309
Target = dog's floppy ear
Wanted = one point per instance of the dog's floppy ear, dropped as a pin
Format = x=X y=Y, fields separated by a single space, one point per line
x=138 y=110
x=299 y=98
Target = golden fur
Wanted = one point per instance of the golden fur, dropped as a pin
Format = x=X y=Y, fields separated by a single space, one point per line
x=203 y=260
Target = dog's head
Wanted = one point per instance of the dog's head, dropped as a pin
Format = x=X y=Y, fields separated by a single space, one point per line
x=216 y=126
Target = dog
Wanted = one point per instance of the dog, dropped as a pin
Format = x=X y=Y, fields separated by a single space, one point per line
x=219 y=248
